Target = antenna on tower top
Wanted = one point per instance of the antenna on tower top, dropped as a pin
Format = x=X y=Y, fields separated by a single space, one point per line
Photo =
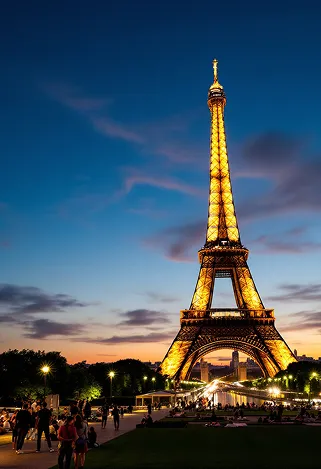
x=215 y=62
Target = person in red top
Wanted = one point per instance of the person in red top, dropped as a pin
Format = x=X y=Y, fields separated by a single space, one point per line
x=66 y=435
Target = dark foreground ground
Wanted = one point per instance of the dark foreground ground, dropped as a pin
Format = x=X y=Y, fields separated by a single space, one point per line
x=198 y=447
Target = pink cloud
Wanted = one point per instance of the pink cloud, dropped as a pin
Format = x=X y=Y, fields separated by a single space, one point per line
x=113 y=129
x=73 y=98
x=162 y=183
x=160 y=138
x=177 y=242
x=5 y=244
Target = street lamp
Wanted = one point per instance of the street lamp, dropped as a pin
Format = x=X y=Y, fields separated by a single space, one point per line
x=111 y=376
x=314 y=375
x=153 y=379
x=45 y=370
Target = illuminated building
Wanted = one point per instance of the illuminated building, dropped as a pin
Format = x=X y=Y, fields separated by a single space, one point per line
x=204 y=371
x=249 y=327
x=235 y=360
x=242 y=372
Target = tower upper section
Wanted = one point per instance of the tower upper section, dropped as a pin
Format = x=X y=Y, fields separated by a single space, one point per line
x=222 y=228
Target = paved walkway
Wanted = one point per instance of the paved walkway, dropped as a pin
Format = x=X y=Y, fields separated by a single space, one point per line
x=44 y=460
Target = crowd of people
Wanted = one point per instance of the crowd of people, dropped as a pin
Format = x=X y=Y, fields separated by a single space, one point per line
x=69 y=426
x=305 y=412
x=70 y=429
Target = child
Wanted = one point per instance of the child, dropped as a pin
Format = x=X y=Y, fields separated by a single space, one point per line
x=92 y=438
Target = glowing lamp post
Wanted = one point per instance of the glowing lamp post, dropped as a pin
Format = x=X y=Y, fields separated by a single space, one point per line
x=111 y=376
x=45 y=370
x=314 y=375
x=153 y=380
x=145 y=378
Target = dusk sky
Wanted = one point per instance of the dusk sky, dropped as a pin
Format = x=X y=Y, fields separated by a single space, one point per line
x=105 y=152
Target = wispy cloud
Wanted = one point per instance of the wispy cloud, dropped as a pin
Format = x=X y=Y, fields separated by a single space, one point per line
x=113 y=129
x=154 y=297
x=148 y=208
x=19 y=305
x=220 y=359
x=74 y=98
x=142 y=317
x=270 y=245
x=30 y=300
x=106 y=355
x=5 y=244
x=135 y=178
x=294 y=172
x=162 y=138
x=307 y=320
x=44 y=328
x=298 y=293
x=177 y=242
x=141 y=338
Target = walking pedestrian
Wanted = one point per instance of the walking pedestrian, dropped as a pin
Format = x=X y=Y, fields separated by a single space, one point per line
x=23 y=420
x=81 y=447
x=115 y=414
x=122 y=412
x=66 y=435
x=43 y=421
x=104 y=414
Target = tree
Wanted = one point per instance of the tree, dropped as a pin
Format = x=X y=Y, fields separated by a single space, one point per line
x=90 y=391
x=129 y=377
x=21 y=369
x=28 y=391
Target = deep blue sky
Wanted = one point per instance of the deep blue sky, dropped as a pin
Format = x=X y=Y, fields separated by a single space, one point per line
x=104 y=155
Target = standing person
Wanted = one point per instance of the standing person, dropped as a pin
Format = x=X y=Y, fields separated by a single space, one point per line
x=115 y=414
x=81 y=447
x=66 y=435
x=104 y=415
x=122 y=412
x=74 y=409
x=149 y=409
x=32 y=430
x=14 y=428
x=87 y=410
x=23 y=420
x=43 y=421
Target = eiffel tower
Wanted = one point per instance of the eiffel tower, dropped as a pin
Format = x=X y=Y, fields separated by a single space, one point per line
x=249 y=327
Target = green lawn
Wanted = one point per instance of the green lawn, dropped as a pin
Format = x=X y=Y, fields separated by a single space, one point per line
x=247 y=412
x=259 y=447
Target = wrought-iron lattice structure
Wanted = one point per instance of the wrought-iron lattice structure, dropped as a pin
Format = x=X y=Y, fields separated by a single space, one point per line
x=249 y=327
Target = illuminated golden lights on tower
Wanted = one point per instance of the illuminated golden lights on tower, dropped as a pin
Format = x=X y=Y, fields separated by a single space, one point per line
x=204 y=329
x=222 y=224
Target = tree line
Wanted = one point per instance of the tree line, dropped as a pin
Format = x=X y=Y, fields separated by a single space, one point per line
x=22 y=378
x=302 y=377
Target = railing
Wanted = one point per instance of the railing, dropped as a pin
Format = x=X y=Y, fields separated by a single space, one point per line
x=226 y=313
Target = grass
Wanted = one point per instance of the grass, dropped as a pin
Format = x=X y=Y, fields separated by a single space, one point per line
x=247 y=412
x=5 y=439
x=195 y=447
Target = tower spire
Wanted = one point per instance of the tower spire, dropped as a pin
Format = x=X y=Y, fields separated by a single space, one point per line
x=222 y=223
x=215 y=62
x=216 y=84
